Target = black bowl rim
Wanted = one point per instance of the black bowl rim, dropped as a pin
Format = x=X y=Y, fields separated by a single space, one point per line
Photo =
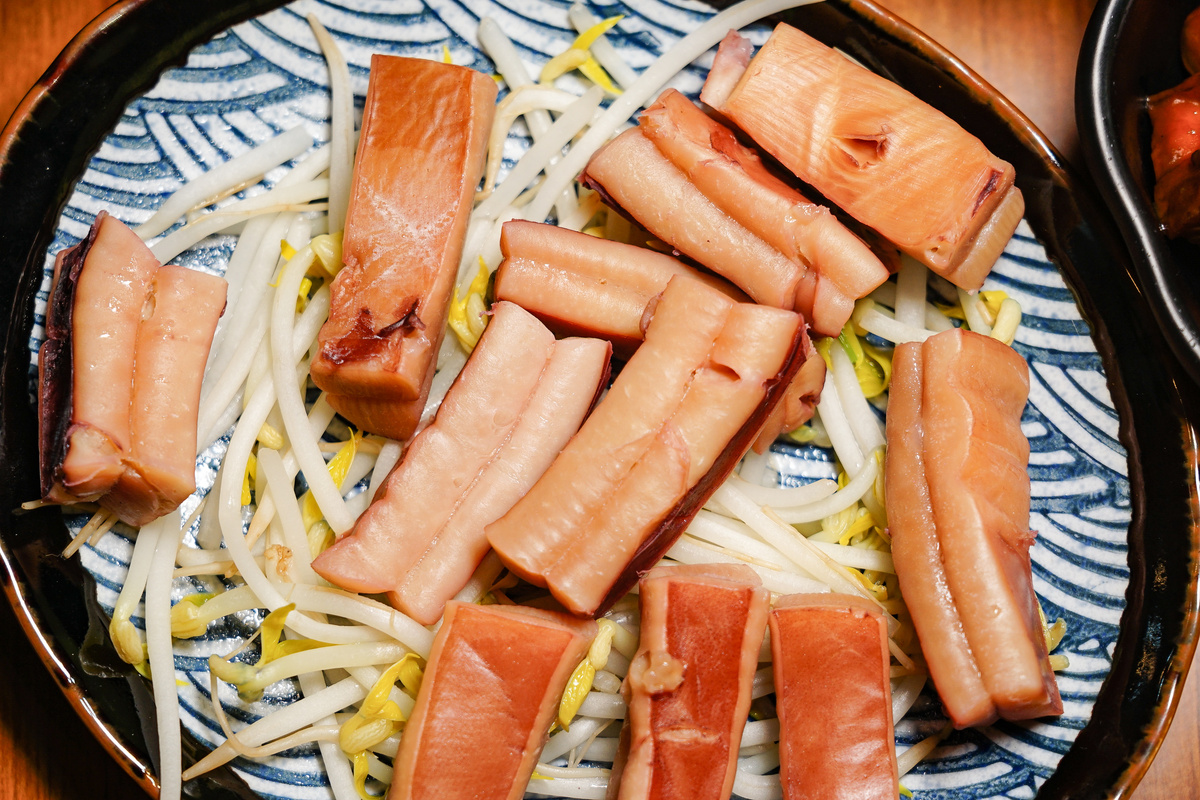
x=1170 y=298
x=1158 y=415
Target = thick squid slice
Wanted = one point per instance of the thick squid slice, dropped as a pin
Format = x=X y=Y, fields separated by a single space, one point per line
x=972 y=393
x=519 y=399
x=834 y=696
x=917 y=552
x=582 y=285
x=173 y=341
x=633 y=174
x=86 y=363
x=689 y=684
x=579 y=284
x=493 y=684
x=420 y=157
x=888 y=159
x=734 y=178
x=682 y=411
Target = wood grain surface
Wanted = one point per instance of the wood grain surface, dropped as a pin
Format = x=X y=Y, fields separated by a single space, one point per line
x=1027 y=49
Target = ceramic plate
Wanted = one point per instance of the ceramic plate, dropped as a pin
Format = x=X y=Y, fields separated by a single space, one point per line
x=1098 y=401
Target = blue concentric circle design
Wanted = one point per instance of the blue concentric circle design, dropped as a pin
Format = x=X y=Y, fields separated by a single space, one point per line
x=266 y=75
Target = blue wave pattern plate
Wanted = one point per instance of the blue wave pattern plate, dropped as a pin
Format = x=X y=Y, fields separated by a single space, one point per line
x=266 y=75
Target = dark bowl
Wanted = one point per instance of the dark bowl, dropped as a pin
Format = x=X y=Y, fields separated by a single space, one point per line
x=47 y=144
x=1131 y=51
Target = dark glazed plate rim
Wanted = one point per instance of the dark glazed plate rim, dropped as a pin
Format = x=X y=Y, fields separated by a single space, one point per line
x=48 y=141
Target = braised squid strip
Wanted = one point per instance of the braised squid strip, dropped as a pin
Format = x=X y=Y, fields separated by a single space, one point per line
x=839 y=267
x=401 y=248
x=832 y=690
x=582 y=285
x=917 y=552
x=689 y=685
x=86 y=364
x=634 y=175
x=488 y=696
x=676 y=419
x=889 y=160
x=514 y=406
x=172 y=346
x=973 y=390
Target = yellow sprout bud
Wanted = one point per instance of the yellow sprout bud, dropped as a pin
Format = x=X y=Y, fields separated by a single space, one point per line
x=1008 y=319
x=595 y=73
x=476 y=315
x=875 y=373
x=302 y=294
x=328 y=251
x=358 y=733
x=1054 y=634
x=234 y=672
x=187 y=621
x=362 y=762
x=467 y=315
x=859 y=527
x=286 y=250
x=320 y=538
x=251 y=474
x=269 y=437
x=822 y=346
x=562 y=63
x=602 y=644
x=127 y=640
x=585 y=40
x=576 y=692
x=802 y=435
x=411 y=674
x=992 y=301
x=339 y=466
x=581 y=679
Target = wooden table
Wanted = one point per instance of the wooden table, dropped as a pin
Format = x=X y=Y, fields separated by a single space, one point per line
x=1026 y=48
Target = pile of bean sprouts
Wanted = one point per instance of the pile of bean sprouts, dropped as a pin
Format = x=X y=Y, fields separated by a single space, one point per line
x=254 y=538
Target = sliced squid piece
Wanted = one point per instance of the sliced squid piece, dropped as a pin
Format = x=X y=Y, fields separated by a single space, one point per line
x=173 y=341
x=86 y=363
x=834 y=696
x=582 y=285
x=519 y=399
x=420 y=157
x=734 y=178
x=688 y=686
x=634 y=175
x=680 y=414
x=483 y=713
x=917 y=552
x=886 y=158
x=579 y=284
x=972 y=393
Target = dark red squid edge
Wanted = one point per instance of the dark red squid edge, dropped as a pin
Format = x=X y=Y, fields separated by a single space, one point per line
x=56 y=364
